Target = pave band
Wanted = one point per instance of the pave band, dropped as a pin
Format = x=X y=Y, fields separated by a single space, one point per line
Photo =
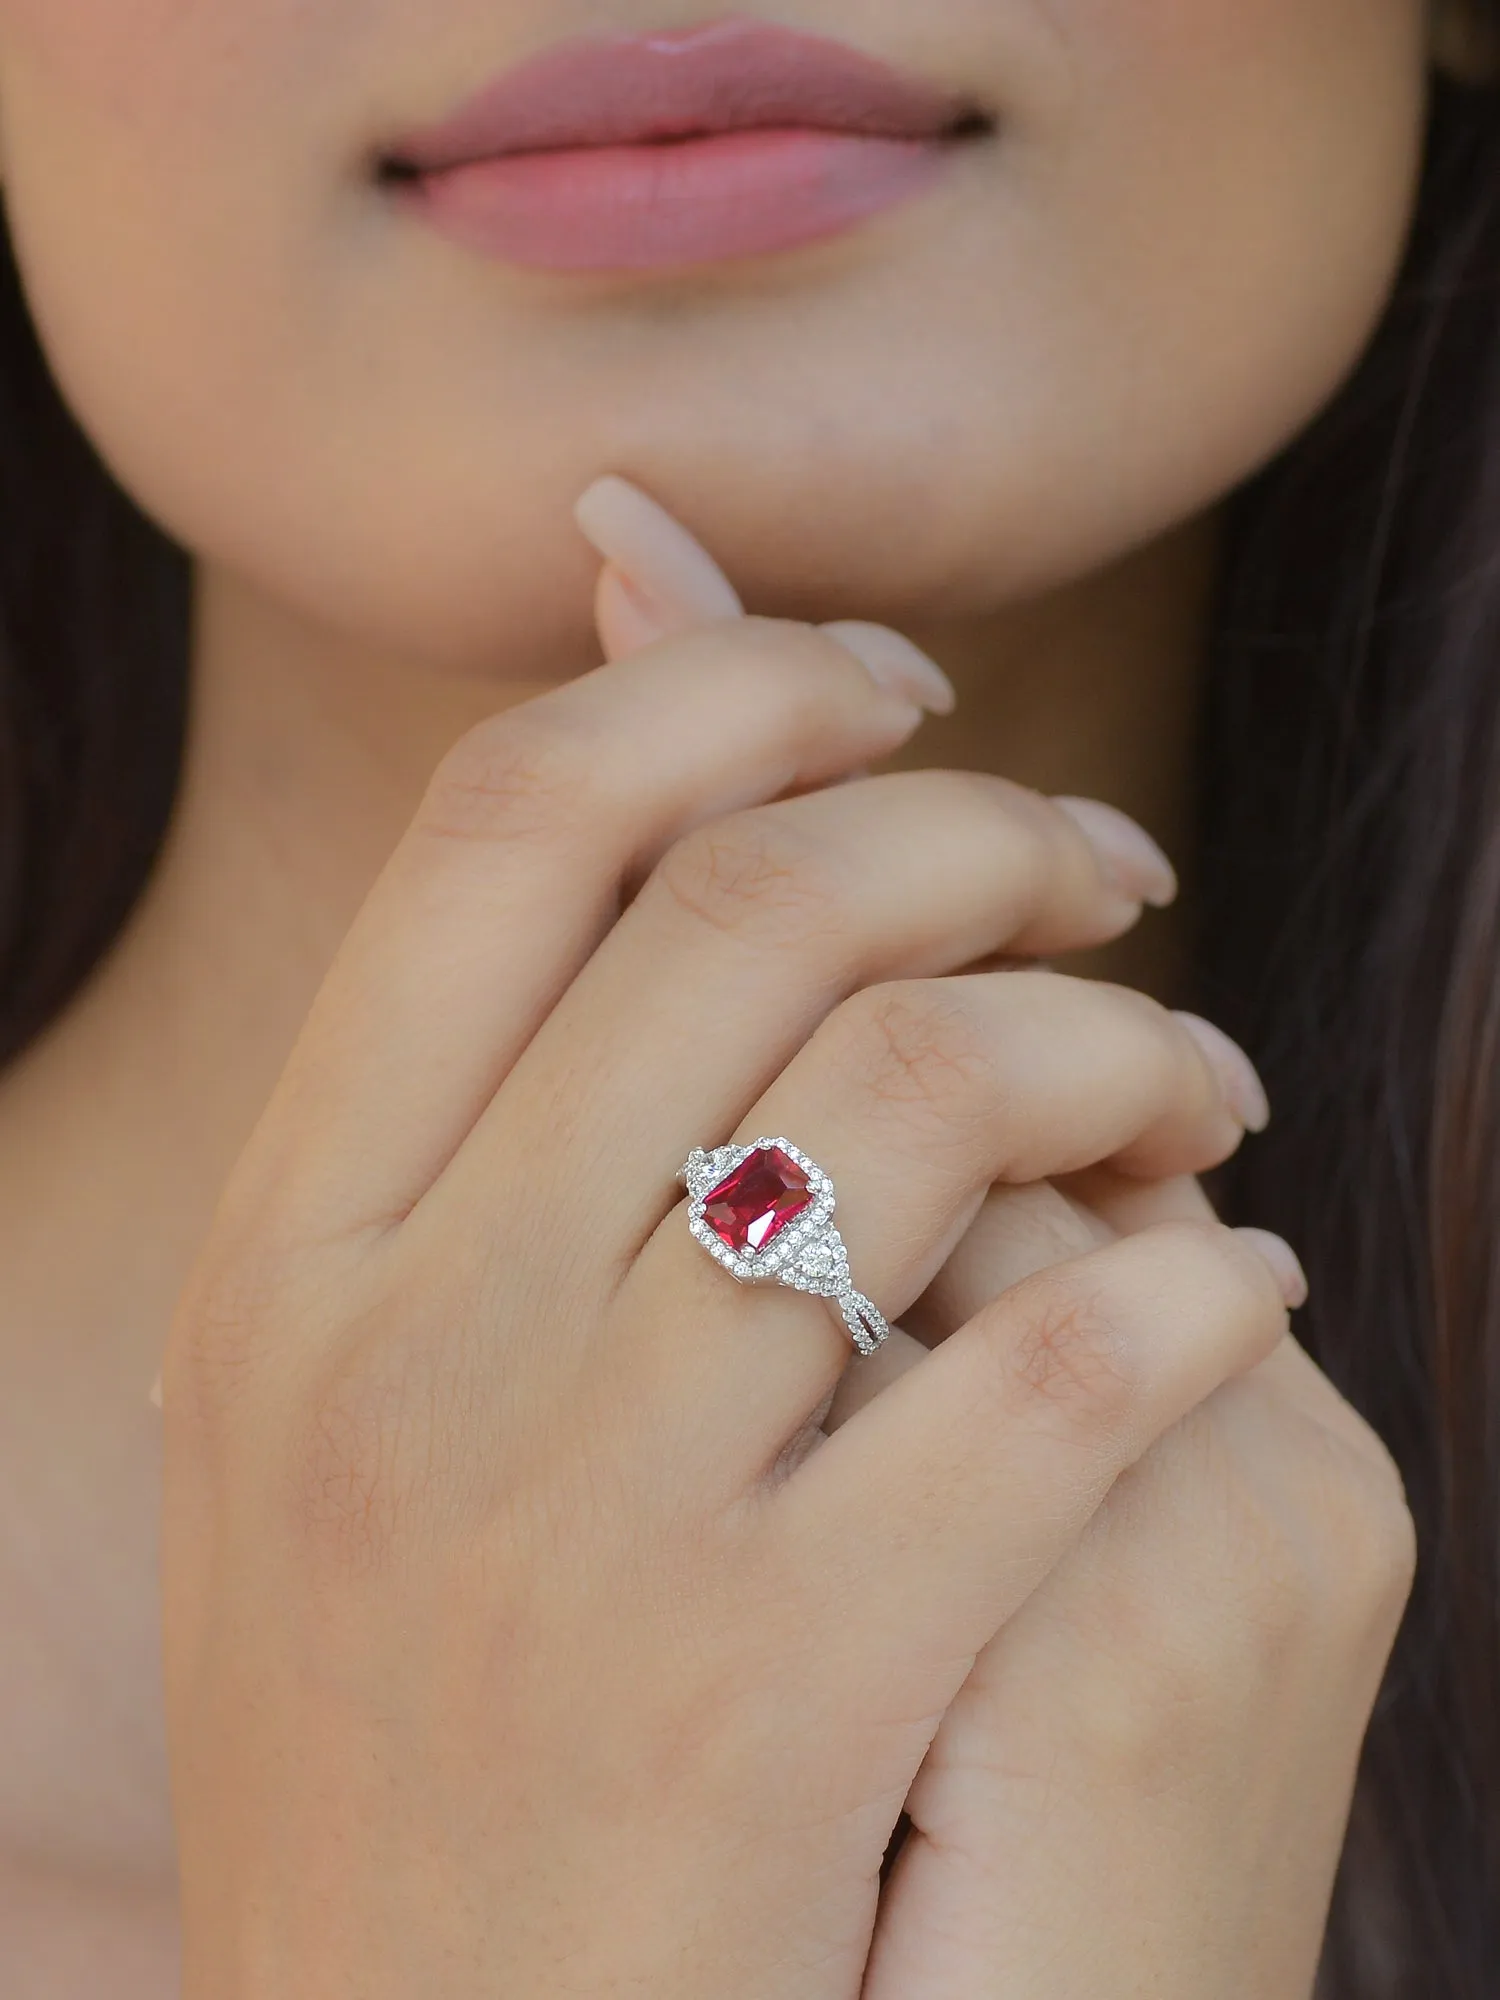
x=765 y=1212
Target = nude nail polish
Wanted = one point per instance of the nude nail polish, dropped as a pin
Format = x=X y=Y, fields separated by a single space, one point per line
x=1132 y=861
x=1239 y=1076
x=1285 y=1264
x=668 y=566
x=628 y=617
x=896 y=664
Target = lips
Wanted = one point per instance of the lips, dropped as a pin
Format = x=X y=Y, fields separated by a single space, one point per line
x=731 y=139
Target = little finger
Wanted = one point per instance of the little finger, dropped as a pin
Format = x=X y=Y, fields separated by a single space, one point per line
x=943 y=1503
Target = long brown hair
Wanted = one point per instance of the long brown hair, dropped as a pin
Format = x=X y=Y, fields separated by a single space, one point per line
x=1351 y=934
x=93 y=690
x=1352 y=937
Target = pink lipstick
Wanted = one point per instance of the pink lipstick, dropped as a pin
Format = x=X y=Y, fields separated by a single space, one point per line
x=733 y=139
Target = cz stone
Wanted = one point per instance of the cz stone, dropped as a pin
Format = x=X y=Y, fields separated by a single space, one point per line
x=751 y=1206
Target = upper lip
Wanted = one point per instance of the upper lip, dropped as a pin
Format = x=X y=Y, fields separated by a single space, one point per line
x=724 y=76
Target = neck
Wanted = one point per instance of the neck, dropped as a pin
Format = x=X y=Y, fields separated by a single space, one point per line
x=1095 y=690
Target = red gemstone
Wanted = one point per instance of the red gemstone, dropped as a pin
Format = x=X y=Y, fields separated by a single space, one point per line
x=757 y=1200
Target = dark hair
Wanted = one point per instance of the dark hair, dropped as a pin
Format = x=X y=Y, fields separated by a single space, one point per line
x=1351 y=910
x=93 y=690
x=1352 y=938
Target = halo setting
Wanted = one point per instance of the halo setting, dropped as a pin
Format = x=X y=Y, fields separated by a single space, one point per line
x=765 y=1212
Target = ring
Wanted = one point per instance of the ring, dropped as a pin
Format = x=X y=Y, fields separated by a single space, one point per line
x=766 y=1212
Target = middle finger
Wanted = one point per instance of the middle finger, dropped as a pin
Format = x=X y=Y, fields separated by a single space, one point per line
x=746 y=936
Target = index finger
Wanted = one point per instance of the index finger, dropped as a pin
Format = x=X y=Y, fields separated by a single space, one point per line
x=515 y=867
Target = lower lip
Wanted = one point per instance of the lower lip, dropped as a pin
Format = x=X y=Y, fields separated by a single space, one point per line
x=649 y=207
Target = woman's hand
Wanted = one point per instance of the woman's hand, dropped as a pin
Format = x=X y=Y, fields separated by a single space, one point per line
x=518 y=1640
x=1143 y=1786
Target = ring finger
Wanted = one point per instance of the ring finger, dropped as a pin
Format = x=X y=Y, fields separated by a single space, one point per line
x=916 y=1097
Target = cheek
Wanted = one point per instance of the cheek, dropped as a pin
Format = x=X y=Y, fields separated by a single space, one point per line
x=165 y=71
x=1234 y=191
x=1198 y=39
x=161 y=161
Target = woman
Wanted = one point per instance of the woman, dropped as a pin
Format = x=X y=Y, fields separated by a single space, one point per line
x=547 y=1612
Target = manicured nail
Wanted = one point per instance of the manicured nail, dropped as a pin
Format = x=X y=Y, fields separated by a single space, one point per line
x=1234 y=1069
x=1285 y=1264
x=667 y=565
x=628 y=618
x=1133 y=862
x=896 y=664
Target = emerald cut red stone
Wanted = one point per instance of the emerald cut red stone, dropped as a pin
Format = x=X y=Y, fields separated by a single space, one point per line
x=757 y=1200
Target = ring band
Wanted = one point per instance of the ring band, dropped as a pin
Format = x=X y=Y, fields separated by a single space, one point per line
x=766 y=1212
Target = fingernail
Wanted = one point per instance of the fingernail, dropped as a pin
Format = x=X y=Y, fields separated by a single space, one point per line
x=896 y=664
x=155 y=1395
x=1132 y=861
x=1286 y=1265
x=657 y=554
x=628 y=617
x=1239 y=1076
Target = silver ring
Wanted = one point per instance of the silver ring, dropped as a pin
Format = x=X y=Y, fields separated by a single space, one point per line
x=766 y=1212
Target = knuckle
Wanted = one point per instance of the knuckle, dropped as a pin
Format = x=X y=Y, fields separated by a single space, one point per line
x=916 y=1052
x=1231 y=1284
x=1273 y=1584
x=1368 y=1534
x=809 y=659
x=1035 y=831
x=1160 y=1041
x=1330 y=1552
x=754 y=875
x=1021 y=828
x=515 y=777
x=788 y=674
x=1059 y=1353
x=1240 y=1584
x=1020 y=818
x=1316 y=1536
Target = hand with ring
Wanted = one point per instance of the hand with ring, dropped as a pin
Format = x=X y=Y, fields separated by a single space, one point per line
x=526 y=1632
x=1144 y=1784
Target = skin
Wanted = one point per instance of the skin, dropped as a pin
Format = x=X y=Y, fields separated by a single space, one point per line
x=372 y=442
